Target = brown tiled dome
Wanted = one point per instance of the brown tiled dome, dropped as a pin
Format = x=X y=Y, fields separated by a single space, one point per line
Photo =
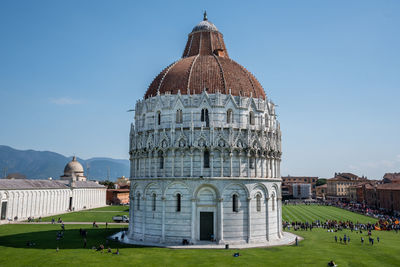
x=205 y=65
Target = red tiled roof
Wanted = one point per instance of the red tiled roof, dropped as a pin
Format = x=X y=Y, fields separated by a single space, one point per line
x=206 y=64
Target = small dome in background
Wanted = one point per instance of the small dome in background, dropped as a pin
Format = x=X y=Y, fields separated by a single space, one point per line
x=73 y=167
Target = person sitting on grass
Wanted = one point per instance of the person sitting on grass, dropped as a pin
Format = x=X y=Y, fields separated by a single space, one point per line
x=332 y=264
x=100 y=248
x=109 y=250
x=236 y=254
x=117 y=252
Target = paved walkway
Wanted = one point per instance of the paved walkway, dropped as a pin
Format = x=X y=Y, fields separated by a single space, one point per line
x=287 y=239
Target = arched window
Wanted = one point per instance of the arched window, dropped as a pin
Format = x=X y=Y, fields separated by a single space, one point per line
x=235 y=203
x=137 y=164
x=258 y=204
x=161 y=158
x=138 y=201
x=143 y=120
x=251 y=118
x=206 y=159
x=204 y=116
x=178 y=202
x=158 y=118
x=179 y=116
x=154 y=202
x=229 y=116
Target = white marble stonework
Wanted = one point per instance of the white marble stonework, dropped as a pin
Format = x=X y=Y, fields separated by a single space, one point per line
x=168 y=159
x=205 y=167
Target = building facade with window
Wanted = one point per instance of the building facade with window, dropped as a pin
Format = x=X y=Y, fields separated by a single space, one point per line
x=205 y=152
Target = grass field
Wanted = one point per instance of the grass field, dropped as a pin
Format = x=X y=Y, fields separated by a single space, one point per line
x=317 y=248
x=103 y=214
x=303 y=213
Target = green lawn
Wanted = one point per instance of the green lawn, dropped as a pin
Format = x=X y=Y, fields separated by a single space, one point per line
x=317 y=248
x=112 y=208
x=104 y=214
x=303 y=213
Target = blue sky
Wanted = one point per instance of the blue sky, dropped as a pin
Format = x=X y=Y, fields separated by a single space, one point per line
x=69 y=71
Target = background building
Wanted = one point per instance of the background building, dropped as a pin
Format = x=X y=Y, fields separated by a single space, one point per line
x=337 y=187
x=22 y=198
x=205 y=151
x=321 y=191
x=302 y=191
x=288 y=181
x=117 y=196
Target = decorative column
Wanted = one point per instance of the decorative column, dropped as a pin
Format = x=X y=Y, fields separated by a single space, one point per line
x=155 y=171
x=193 y=228
x=262 y=165
x=279 y=215
x=279 y=167
x=131 y=215
x=249 y=219
x=191 y=163
x=165 y=153
x=255 y=165
x=222 y=163
x=212 y=163
x=144 y=165
x=163 y=199
x=182 y=156
x=273 y=167
x=248 y=164
x=173 y=162
x=144 y=217
x=201 y=161
x=240 y=163
x=230 y=159
x=220 y=234
x=152 y=165
x=267 y=217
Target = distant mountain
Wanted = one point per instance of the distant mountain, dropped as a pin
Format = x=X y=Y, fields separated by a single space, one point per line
x=45 y=164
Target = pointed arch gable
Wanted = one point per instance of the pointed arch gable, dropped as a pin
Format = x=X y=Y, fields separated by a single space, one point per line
x=205 y=101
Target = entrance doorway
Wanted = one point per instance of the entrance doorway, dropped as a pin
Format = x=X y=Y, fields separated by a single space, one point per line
x=3 y=210
x=70 y=203
x=206 y=225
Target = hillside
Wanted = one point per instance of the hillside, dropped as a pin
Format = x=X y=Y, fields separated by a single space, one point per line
x=45 y=164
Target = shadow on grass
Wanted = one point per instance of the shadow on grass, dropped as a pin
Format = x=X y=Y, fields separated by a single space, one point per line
x=71 y=239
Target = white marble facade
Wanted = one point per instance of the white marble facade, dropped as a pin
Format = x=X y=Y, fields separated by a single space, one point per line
x=23 y=198
x=40 y=202
x=203 y=153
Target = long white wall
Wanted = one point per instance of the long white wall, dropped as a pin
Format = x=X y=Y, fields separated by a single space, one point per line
x=39 y=203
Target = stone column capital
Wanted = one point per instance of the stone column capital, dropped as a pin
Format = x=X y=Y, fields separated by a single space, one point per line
x=220 y=199
x=163 y=198
x=249 y=198
x=194 y=199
